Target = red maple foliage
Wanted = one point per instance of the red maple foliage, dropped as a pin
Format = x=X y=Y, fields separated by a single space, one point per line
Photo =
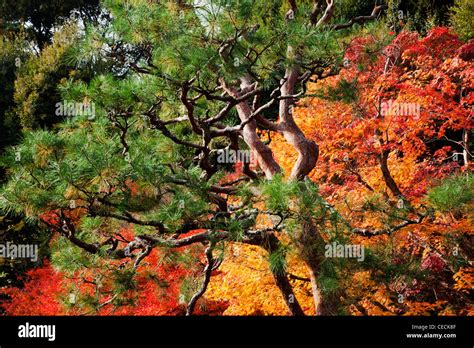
x=39 y=294
x=156 y=291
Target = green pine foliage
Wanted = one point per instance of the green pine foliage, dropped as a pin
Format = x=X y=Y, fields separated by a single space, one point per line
x=277 y=260
x=13 y=53
x=462 y=19
x=453 y=195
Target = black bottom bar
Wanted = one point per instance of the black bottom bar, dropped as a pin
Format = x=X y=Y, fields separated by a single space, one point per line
x=236 y=331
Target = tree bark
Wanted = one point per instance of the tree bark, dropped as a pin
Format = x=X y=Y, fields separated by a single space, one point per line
x=387 y=177
x=262 y=152
x=283 y=283
x=271 y=244
x=465 y=152
x=308 y=150
x=311 y=249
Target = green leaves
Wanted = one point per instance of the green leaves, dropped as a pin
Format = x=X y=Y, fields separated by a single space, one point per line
x=453 y=195
x=124 y=280
x=182 y=206
x=277 y=260
x=84 y=160
x=461 y=18
x=344 y=90
x=279 y=193
x=35 y=86
x=68 y=258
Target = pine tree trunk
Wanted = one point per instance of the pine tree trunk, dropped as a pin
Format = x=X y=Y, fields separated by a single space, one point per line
x=311 y=249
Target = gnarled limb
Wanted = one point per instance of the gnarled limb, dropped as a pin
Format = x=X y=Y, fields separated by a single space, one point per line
x=328 y=12
x=308 y=150
x=361 y=19
x=388 y=231
x=207 y=278
x=262 y=152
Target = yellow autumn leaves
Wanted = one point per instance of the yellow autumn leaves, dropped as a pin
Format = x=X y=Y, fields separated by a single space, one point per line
x=247 y=285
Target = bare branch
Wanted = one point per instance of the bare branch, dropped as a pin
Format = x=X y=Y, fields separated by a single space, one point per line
x=205 y=283
x=361 y=19
x=327 y=15
x=159 y=124
x=371 y=233
x=315 y=11
x=190 y=108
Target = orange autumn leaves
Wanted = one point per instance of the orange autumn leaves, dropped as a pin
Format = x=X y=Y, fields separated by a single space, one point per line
x=248 y=288
x=430 y=81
